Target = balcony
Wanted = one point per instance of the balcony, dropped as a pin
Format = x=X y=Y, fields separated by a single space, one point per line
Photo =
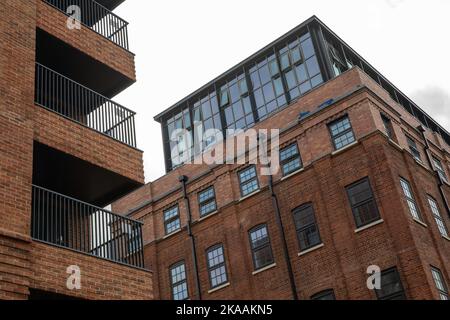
x=65 y=222
x=74 y=101
x=97 y=18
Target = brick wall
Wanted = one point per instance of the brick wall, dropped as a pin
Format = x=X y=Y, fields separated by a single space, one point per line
x=17 y=47
x=100 y=279
x=342 y=262
x=25 y=264
x=54 y=22
x=88 y=145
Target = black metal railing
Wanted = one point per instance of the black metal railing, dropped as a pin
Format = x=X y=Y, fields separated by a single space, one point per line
x=89 y=108
x=66 y=222
x=96 y=17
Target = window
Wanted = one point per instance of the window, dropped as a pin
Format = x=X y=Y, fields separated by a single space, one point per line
x=342 y=133
x=172 y=220
x=410 y=199
x=134 y=239
x=261 y=248
x=216 y=266
x=437 y=216
x=413 y=148
x=290 y=159
x=207 y=202
x=179 y=282
x=362 y=201
x=440 y=283
x=391 y=286
x=388 y=126
x=236 y=103
x=339 y=66
x=248 y=181
x=439 y=168
x=306 y=226
x=324 y=295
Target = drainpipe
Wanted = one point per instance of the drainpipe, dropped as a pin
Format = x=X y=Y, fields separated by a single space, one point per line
x=183 y=180
x=283 y=236
x=438 y=176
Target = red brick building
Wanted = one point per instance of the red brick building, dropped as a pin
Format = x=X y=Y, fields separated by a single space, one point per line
x=364 y=182
x=67 y=151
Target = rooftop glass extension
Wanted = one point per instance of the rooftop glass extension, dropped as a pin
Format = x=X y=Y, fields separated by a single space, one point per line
x=251 y=95
x=266 y=82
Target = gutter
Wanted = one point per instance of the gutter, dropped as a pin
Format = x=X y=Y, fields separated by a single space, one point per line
x=440 y=182
x=283 y=237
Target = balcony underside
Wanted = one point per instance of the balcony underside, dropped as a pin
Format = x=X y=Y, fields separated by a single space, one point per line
x=76 y=178
x=78 y=66
x=110 y=4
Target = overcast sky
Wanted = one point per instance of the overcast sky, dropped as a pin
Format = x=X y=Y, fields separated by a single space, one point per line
x=183 y=44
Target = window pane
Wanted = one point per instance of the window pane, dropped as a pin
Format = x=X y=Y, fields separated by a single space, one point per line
x=306 y=226
x=269 y=93
x=363 y=204
x=264 y=74
x=179 y=283
x=326 y=295
x=308 y=48
x=313 y=66
x=391 y=286
x=302 y=75
x=279 y=90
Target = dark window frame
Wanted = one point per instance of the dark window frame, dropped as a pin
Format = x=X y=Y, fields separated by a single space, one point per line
x=438 y=216
x=206 y=202
x=255 y=249
x=255 y=178
x=437 y=164
x=172 y=219
x=305 y=228
x=176 y=284
x=413 y=149
x=325 y=293
x=362 y=203
x=444 y=292
x=212 y=268
x=343 y=133
x=388 y=128
x=411 y=199
x=292 y=158
x=398 y=294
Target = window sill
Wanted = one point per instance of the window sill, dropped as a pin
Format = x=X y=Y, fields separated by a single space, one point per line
x=371 y=225
x=420 y=163
x=273 y=265
x=172 y=234
x=311 y=250
x=345 y=148
x=290 y=175
x=446 y=238
x=249 y=195
x=209 y=215
x=395 y=144
x=223 y=286
x=423 y=224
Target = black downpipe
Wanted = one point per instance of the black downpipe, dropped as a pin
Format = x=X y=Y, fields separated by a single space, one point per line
x=283 y=236
x=438 y=177
x=183 y=180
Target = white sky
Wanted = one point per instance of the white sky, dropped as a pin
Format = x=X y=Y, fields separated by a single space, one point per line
x=183 y=44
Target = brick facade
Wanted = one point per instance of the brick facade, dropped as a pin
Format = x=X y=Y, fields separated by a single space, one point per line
x=340 y=263
x=25 y=264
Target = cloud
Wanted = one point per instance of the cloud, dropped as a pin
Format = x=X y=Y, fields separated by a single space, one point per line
x=436 y=102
